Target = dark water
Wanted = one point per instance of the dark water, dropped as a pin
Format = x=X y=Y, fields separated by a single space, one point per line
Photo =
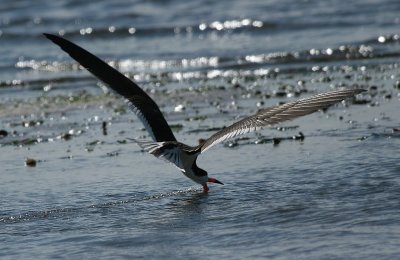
x=94 y=194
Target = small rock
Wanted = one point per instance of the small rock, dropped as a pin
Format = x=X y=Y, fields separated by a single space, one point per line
x=361 y=101
x=276 y=141
x=373 y=90
x=232 y=144
x=280 y=93
x=3 y=133
x=260 y=103
x=397 y=84
x=66 y=136
x=104 y=127
x=112 y=154
x=301 y=83
x=179 y=108
x=237 y=86
x=300 y=136
x=176 y=127
x=29 y=162
x=258 y=93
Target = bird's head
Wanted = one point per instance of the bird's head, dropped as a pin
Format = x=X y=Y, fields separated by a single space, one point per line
x=203 y=177
x=211 y=180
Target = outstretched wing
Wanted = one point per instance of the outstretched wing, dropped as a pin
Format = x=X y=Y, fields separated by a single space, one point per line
x=277 y=114
x=143 y=106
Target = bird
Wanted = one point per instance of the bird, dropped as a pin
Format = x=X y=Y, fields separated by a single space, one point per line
x=164 y=144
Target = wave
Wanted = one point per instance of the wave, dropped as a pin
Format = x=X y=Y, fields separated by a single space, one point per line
x=67 y=212
x=203 y=67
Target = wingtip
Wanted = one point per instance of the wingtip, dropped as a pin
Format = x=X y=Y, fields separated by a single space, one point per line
x=360 y=90
x=51 y=37
x=355 y=91
x=47 y=35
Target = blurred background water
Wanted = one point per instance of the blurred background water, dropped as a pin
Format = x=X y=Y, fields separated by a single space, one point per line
x=94 y=194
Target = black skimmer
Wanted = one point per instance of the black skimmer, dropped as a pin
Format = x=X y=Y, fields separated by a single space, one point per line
x=164 y=144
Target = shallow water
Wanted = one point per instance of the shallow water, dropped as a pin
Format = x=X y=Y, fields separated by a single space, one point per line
x=94 y=194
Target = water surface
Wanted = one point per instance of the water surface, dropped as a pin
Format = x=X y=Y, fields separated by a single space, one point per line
x=94 y=194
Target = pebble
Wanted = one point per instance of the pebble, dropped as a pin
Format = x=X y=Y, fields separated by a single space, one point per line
x=300 y=136
x=276 y=141
x=104 y=127
x=280 y=93
x=29 y=162
x=397 y=84
x=260 y=103
x=373 y=90
x=179 y=108
x=66 y=136
x=3 y=133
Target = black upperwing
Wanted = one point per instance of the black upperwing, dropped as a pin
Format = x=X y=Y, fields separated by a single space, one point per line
x=144 y=107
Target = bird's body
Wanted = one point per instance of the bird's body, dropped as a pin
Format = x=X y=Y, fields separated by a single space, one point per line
x=182 y=156
x=164 y=144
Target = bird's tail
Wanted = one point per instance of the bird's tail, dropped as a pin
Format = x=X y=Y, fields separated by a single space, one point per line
x=167 y=151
